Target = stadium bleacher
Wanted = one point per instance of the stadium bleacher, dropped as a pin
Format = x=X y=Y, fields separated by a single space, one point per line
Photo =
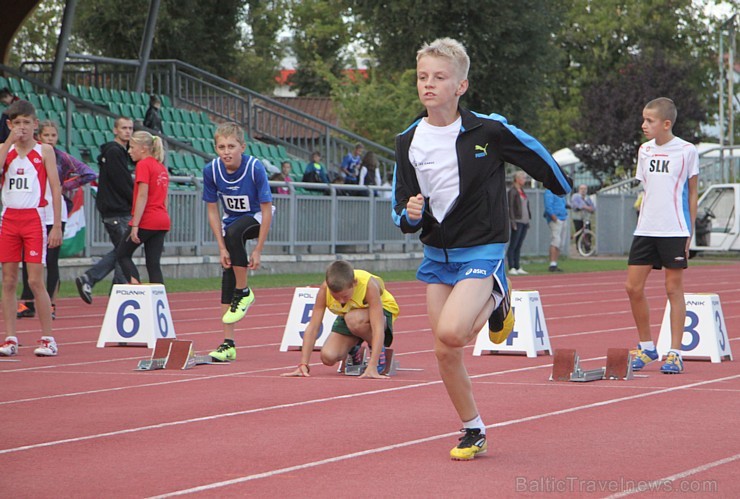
x=90 y=131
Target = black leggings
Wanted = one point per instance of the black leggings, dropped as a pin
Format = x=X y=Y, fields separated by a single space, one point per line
x=153 y=241
x=52 y=270
x=235 y=239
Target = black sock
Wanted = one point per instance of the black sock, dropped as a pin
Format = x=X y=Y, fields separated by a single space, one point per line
x=31 y=306
x=241 y=292
x=229 y=342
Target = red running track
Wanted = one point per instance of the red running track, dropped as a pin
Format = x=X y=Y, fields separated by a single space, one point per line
x=84 y=424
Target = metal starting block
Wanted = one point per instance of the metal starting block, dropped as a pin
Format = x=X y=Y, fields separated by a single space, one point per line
x=173 y=354
x=566 y=366
x=348 y=368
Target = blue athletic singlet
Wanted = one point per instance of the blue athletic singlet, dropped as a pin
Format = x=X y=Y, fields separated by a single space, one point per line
x=240 y=192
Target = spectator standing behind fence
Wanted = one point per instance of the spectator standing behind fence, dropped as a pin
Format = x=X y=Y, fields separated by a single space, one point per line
x=369 y=170
x=238 y=182
x=30 y=187
x=73 y=174
x=519 y=217
x=114 y=200
x=283 y=176
x=150 y=220
x=351 y=165
x=152 y=119
x=556 y=213
x=7 y=98
x=315 y=172
x=581 y=206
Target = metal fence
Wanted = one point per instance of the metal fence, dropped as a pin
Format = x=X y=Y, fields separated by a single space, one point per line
x=354 y=219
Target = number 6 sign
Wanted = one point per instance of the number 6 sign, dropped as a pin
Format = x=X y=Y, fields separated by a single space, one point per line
x=301 y=310
x=137 y=314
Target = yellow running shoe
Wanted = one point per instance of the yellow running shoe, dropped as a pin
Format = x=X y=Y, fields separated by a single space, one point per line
x=471 y=444
x=238 y=308
x=501 y=322
x=224 y=353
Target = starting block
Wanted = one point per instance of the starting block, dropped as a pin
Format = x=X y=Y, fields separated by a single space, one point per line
x=349 y=369
x=173 y=354
x=566 y=366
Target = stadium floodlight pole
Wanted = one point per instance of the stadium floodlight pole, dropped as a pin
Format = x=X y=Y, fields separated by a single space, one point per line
x=146 y=45
x=63 y=43
x=731 y=80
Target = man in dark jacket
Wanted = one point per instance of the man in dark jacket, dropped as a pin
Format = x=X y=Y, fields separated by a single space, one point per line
x=114 y=200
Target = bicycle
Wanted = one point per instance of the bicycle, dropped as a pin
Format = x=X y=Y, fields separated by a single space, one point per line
x=585 y=239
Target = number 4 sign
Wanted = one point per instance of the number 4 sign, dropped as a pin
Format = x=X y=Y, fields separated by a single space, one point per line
x=300 y=314
x=530 y=330
x=704 y=332
x=137 y=314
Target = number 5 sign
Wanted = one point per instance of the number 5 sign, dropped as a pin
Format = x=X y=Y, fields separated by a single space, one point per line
x=300 y=314
x=137 y=314
x=704 y=332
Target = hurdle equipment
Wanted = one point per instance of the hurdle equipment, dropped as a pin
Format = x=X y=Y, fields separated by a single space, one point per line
x=350 y=369
x=136 y=314
x=705 y=332
x=173 y=354
x=530 y=329
x=300 y=313
x=566 y=366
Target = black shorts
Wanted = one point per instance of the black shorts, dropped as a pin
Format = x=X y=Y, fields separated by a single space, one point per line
x=668 y=252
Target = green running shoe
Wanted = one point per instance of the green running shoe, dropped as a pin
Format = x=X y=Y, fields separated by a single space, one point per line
x=224 y=352
x=238 y=308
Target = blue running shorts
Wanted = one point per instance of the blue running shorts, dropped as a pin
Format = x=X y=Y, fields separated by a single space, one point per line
x=433 y=272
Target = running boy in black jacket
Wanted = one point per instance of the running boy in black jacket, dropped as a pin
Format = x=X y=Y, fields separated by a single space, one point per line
x=450 y=182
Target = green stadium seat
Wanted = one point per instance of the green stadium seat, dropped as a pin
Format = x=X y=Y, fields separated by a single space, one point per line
x=187 y=131
x=166 y=114
x=204 y=118
x=102 y=122
x=95 y=95
x=27 y=86
x=282 y=153
x=58 y=104
x=75 y=151
x=40 y=113
x=34 y=99
x=115 y=108
x=72 y=89
x=115 y=95
x=140 y=98
x=90 y=122
x=126 y=97
x=62 y=135
x=127 y=110
x=15 y=85
x=167 y=129
x=78 y=121
x=176 y=115
x=165 y=100
x=99 y=138
x=45 y=102
x=3 y=82
x=105 y=95
x=84 y=93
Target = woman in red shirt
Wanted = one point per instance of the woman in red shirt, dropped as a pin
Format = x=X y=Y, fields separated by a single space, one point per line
x=150 y=220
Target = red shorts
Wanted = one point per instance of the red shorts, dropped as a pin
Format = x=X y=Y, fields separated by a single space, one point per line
x=22 y=236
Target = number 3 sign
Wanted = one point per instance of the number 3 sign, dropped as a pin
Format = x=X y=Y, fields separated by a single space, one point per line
x=300 y=314
x=137 y=314
x=704 y=332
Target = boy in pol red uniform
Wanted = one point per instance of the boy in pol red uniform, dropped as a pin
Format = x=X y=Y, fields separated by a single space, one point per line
x=30 y=186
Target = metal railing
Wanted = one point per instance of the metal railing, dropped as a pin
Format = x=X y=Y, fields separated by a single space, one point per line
x=263 y=118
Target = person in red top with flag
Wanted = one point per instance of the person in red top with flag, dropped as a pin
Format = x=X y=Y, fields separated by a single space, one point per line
x=30 y=187
x=150 y=220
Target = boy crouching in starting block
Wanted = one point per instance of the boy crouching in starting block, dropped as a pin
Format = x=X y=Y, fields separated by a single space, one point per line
x=366 y=312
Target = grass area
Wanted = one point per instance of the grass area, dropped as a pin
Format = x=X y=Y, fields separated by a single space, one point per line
x=569 y=265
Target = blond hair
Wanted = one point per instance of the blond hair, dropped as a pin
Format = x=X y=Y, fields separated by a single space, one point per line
x=665 y=108
x=340 y=275
x=48 y=124
x=230 y=129
x=152 y=142
x=450 y=49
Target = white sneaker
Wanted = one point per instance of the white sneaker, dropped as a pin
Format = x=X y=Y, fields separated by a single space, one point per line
x=522 y=271
x=513 y=271
x=10 y=347
x=47 y=347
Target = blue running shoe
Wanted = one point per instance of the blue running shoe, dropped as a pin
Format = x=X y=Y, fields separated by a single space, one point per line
x=643 y=357
x=673 y=364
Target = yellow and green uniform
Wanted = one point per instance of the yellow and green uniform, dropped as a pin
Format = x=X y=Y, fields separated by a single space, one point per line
x=390 y=307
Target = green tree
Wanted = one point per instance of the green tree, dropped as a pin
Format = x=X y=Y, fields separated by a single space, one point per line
x=508 y=41
x=261 y=52
x=598 y=40
x=320 y=36
x=204 y=34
